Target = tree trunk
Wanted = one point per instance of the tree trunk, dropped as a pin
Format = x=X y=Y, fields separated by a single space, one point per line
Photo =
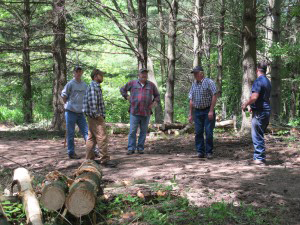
x=293 y=105
x=83 y=192
x=162 y=42
x=151 y=77
x=169 y=97
x=199 y=7
x=273 y=37
x=207 y=48
x=142 y=33
x=220 y=47
x=60 y=63
x=54 y=191
x=249 y=57
x=27 y=93
x=30 y=203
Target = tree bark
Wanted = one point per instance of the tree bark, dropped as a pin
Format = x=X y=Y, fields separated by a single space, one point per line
x=272 y=38
x=30 y=203
x=207 y=48
x=249 y=57
x=142 y=33
x=199 y=8
x=60 y=63
x=27 y=93
x=169 y=97
x=220 y=47
x=151 y=76
x=162 y=55
x=83 y=192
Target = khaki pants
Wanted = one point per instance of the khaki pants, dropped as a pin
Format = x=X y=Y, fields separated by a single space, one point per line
x=97 y=135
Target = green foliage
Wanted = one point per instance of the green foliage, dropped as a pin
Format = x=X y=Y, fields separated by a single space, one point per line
x=14 y=212
x=294 y=122
x=8 y=115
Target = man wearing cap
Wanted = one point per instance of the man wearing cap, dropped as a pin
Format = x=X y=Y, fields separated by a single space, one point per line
x=94 y=109
x=261 y=109
x=72 y=95
x=143 y=97
x=203 y=98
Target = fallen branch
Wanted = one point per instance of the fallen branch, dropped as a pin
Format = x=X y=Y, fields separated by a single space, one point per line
x=30 y=203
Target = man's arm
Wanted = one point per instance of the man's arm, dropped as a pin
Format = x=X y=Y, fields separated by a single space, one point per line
x=191 y=111
x=65 y=93
x=253 y=98
x=125 y=89
x=156 y=96
x=212 y=107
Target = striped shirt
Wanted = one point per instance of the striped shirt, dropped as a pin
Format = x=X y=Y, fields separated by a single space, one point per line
x=93 y=104
x=141 y=97
x=201 y=93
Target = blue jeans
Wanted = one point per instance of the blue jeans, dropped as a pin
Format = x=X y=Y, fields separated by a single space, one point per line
x=202 y=122
x=73 y=118
x=260 y=122
x=135 y=121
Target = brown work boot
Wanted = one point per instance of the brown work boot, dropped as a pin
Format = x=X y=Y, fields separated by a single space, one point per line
x=74 y=156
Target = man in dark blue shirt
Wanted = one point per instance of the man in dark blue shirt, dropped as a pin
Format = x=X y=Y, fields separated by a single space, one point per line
x=260 y=106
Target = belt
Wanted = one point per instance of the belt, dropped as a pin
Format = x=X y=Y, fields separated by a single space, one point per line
x=203 y=108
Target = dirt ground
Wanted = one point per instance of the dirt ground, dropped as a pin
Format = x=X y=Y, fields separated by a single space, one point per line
x=229 y=176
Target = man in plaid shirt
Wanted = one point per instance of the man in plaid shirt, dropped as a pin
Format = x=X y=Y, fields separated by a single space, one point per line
x=143 y=97
x=203 y=98
x=94 y=109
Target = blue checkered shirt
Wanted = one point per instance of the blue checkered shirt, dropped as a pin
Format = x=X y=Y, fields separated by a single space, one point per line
x=93 y=104
x=201 y=93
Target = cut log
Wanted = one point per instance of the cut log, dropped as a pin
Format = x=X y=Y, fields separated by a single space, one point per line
x=83 y=192
x=226 y=123
x=54 y=190
x=3 y=218
x=168 y=126
x=30 y=203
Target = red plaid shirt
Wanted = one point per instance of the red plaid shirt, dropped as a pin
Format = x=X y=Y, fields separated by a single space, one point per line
x=141 y=97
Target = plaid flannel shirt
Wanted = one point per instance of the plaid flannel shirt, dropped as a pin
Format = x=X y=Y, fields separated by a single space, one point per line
x=201 y=93
x=141 y=97
x=93 y=104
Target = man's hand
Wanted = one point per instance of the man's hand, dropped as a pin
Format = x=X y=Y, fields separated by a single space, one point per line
x=244 y=107
x=152 y=105
x=190 y=118
x=211 y=115
x=128 y=98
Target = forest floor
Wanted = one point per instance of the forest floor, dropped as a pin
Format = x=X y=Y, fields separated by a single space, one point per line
x=228 y=177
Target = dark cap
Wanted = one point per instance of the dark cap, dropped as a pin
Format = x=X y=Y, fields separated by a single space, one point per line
x=143 y=70
x=77 y=68
x=197 y=69
x=96 y=72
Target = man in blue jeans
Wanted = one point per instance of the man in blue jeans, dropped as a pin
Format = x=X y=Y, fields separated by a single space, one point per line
x=203 y=98
x=72 y=95
x=143 y=97
x=260 y=106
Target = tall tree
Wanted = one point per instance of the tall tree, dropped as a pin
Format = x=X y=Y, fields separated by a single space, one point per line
x=249 y=57
x=142 y=33
x=220 y=47
x=273 y=38
x=162 y=54
x=27 y=92
x=198 y=17
x=169 y=97
x=59 y=58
